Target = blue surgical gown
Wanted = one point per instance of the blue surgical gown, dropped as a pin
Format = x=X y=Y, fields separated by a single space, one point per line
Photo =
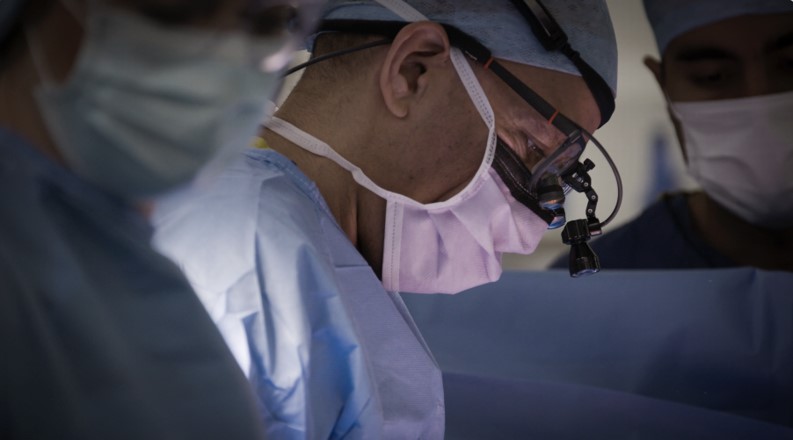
x=655 y=354
x=330 y=352
x=101 y=336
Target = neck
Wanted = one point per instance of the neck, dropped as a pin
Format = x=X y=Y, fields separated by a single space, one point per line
x=743 y=242
x=359 y=212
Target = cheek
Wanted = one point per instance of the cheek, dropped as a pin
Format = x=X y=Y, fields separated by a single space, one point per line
x=464 y=154
x=466 y=148
x=468 y=133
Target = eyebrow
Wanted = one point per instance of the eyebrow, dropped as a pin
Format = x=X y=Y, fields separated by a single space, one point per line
x=703 y=54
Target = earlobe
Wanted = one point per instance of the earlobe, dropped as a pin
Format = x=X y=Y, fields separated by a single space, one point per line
x=416 y=50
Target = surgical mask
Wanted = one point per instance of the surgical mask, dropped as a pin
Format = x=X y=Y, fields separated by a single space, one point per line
x=147 y=106
x=741 y=152
x=448 y=246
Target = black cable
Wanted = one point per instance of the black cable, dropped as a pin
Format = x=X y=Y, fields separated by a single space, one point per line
x=336 y=54
x=617 y=178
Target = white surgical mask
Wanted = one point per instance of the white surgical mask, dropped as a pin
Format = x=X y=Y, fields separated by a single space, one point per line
x=147 y=106
x=741 y=152
x=449 y=246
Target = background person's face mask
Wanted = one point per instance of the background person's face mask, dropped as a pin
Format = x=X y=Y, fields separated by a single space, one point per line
x=741 y=152
x=449 y=246
x=146 y=106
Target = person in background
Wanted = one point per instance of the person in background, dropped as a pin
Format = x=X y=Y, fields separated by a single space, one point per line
x=726 y=70
x=104 y=106
x=390 y=167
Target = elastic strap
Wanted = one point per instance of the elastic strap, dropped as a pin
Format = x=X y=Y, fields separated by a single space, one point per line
x=553 y=37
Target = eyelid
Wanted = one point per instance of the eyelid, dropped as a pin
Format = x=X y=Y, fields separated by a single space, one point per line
x=525 y=148
x=542 y=135
x=535 y=149
x=701 y=69
x=708 y=64
x=533 y=138
x=720 y=76
x=706 y=67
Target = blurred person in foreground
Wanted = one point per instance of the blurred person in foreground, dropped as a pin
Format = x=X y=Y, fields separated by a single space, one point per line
x=726 y=70
x=104 y=106
x=395 y=165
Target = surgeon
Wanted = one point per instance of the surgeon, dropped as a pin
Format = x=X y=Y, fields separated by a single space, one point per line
x=726 y=70
x=395 y=165
x=104 y=106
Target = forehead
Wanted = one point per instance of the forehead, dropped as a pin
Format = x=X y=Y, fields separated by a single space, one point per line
x=745 y=37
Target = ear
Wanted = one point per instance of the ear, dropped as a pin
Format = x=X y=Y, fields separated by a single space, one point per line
x=654 y=65
x=656 y=68
x=416 y=50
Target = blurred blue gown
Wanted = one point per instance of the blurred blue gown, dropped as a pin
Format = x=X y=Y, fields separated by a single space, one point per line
x=100 y=336
x=635 y=354
x=330 y=352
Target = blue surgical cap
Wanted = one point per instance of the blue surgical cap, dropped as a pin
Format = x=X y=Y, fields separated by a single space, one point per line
x=501 y=28
x=670 y=18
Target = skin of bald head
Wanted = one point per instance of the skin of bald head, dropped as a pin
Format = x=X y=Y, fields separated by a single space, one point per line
x=400 y=113
x=739 y=57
